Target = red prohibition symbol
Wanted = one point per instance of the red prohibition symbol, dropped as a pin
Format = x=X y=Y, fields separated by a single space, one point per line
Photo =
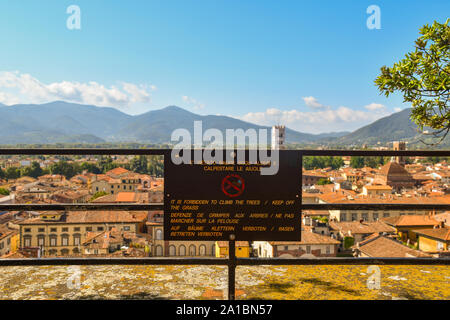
x=233 y=185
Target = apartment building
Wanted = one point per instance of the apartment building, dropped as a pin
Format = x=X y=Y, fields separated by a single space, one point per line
x=374 y=215
x=162 y=247
x=116 y=180
x=312 y=245
x=62 y=233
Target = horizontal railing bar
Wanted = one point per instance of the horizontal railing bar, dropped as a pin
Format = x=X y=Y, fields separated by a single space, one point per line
x=111 y=261
x=82 y=151
x=375 y=153
x=82 y=207
x=374 y=206
x=160 y=206
x=223 y=261
x=343 y=261
x=304 y=152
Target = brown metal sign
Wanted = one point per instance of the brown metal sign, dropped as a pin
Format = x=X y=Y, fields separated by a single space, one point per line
x=212 y=201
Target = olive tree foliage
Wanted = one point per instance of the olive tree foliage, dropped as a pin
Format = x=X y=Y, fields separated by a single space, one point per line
x=423 y=77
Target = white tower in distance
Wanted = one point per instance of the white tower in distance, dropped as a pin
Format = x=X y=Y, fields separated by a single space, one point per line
x=278 y=137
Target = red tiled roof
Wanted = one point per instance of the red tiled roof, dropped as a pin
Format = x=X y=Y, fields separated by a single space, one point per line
x=384 y=247
x=437 y=233
x=125 y=197
x=356 y=227
x=94 y=217
x=117 y=171
x=413 y=220
x=308 y=237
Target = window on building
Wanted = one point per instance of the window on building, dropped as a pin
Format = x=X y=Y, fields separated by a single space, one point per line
x=286 y=248
x=65 y=240
x=53 y=241
x=126 y=228
x=386 y=214
x=365 y=216
x=76 y=239
x=159 y=235
x=52 y=229
x=88 y=228
x=27 y=230
x=328 y=250
x=172 y=250
x=182 y=250
x=41 y=241
x=375 y=216
x=354 y=216
x=343 y=217
x=192 y=250
x=65 y=229
x=308 y=249
x=27 y=241
x=202 y=250
x=77 y=229
x=99 y=228
x=41 y=230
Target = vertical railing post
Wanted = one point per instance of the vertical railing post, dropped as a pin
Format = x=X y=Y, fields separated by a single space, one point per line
x=301 y=191
x=231 y=268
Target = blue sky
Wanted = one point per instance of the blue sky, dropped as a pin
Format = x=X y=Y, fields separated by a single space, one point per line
x=307 y=64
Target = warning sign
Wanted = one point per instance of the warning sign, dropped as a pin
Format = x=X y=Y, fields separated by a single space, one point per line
x=233 y=185
x=212 y=201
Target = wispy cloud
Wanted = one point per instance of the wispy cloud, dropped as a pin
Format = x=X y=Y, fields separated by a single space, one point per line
x=193 y=103
x=375 y=107
x=313 y=103
x=321 y=119
x=16 y=87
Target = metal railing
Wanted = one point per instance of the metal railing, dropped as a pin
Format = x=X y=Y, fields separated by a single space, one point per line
x=232 y=261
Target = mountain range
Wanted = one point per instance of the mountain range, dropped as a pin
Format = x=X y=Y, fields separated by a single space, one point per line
x=63 y=122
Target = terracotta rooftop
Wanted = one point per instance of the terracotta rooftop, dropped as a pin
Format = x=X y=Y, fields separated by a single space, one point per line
x=378 y=187
x=437 y=233
x=340 y=197
x=94 y=217
x=308 y=237
x=444 y=217
x=316 y=213
x=124 y=197
x=356 y=227
x=117 y=171
x=384 y=247
x=413 y=220
x=393 y=168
